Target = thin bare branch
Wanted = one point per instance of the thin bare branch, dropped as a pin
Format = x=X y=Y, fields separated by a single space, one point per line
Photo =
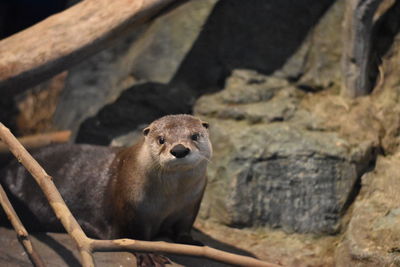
x=22 y=234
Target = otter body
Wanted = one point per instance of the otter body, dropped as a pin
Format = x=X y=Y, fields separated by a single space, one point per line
x=151 y=189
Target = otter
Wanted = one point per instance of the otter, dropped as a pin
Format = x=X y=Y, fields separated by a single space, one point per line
x=149 y=190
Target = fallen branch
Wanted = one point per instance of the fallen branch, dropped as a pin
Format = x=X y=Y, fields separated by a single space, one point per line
x=22 y=234
x=39 y=140
x=87 y=245
x=64 y=39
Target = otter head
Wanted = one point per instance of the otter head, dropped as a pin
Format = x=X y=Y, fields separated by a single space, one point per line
x=178 y=141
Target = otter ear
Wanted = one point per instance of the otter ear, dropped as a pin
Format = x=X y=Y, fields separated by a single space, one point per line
x=205 y=124
x=146 y=131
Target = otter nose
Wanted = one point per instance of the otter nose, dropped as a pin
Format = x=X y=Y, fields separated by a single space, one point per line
x=179 y=151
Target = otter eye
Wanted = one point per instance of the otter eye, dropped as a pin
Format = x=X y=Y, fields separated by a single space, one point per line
x=195 y=137
x=161 y=140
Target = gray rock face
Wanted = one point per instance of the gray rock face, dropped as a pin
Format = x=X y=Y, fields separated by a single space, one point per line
x=247 y=98
x=158 y=53
x=273 y=170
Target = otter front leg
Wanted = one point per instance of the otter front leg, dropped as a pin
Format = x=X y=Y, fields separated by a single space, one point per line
x=184 y=226
x=182 y=233
x=142 y=231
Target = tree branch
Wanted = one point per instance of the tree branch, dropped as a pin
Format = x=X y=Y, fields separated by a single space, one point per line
x=19 y=228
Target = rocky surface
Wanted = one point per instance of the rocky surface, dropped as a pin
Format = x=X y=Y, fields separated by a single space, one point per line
x=297 y=250
x=241 y=34
x=314 y=65
x=37 y=106
x=156 y=56
x=275 y=163
x=373 y=234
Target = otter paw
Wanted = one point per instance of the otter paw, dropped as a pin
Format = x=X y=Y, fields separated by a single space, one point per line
x=151 y=260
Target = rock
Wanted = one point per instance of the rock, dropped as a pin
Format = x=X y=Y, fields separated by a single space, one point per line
x=260 y=35
x=246 y=97
x=275 y=246
x=37 y=106
x=158 y=53
x=372 y=236
x=314 y=65
x=280 y=176
x=273 y=170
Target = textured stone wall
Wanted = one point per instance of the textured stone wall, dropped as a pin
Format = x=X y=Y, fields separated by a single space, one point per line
x=274 y=163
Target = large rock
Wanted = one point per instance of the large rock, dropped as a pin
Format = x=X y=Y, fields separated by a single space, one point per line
x=274 y=162
x=158 y=53
x=373 y=234
x=259 y=34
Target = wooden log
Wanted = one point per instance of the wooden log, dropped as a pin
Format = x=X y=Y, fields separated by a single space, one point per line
x=67 y=38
